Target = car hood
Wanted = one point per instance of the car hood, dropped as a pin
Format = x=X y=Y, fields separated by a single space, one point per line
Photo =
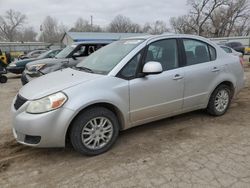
x=46 y=61
x=54 y=82
x=20 y=63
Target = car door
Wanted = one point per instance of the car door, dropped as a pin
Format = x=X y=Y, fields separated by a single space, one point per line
x=156 y=96
x=200 y=72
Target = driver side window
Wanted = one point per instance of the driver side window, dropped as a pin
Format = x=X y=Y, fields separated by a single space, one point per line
x=164 y=52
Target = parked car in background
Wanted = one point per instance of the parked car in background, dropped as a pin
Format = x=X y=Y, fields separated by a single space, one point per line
x=127 y=83
x=237 y=46
x=233 y=52
x=17 y=67
x=68 y=57
x=32 y=54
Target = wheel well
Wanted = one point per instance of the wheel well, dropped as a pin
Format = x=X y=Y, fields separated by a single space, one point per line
x=109 y=106
x=230 y=85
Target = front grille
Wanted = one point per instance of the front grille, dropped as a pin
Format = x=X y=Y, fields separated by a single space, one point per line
x=19 y=102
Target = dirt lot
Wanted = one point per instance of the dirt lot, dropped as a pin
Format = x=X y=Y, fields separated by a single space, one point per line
x=191 y=150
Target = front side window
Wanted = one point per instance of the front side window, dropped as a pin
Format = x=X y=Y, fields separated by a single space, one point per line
x=164 y=52
x=196 y=51
x=130 y=69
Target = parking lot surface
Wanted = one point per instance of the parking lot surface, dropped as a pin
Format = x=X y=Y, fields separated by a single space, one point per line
x=190 y=150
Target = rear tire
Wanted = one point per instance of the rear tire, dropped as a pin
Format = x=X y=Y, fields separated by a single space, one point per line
x=94 y=131
x=219 y=100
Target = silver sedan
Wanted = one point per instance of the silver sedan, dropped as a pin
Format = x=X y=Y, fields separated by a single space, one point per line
x=125 y=84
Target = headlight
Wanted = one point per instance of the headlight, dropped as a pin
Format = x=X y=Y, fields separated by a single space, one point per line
x=12 y=65
x=36 y=67
x=46 y=104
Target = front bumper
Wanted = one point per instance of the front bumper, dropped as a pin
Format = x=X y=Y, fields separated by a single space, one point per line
x=41 y=130
x=15 y=70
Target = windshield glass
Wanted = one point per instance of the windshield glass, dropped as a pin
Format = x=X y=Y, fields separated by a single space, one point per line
x=105 y=59
x=66 y=51
x=45 y=54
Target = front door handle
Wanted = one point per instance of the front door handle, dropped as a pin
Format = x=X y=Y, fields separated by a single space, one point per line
x=215 y=69
x=177 y=77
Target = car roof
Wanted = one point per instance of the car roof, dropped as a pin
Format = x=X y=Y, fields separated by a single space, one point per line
x=94 y=42
x=167 y=35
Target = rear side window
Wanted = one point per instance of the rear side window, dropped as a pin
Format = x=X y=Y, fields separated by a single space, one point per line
x=198 y=52
x=228 y=50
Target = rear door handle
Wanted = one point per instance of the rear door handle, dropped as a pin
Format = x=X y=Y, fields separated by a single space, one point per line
x=215 y=69
x=177 y=77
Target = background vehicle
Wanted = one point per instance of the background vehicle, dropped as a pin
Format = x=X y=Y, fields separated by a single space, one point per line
x=3 y=78
x=68 y=57
x=237 y=46
x=17 y=67
x=32 y=54
x=233 y=52
x=125 y=84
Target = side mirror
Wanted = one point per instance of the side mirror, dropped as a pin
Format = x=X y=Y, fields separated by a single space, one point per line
x=152 y=67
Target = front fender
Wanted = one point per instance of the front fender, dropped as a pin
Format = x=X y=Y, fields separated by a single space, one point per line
x=109 y=90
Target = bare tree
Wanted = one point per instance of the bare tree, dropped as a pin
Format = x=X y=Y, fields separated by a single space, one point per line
x=50 y=30
x=122 y=24
x=232 y=19
x=214 y=18
x=157 y=27
x=82 y=25
x=182 y=24
x=10 y=24
x=27 y=35
x=201 y=10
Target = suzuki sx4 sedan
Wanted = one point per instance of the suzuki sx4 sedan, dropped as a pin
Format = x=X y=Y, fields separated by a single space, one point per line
x=125 y=84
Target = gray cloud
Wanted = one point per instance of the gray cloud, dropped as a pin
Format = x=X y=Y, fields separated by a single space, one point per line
x=103 y=11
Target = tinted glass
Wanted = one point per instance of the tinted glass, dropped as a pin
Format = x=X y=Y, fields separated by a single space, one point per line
x=129 y=71
x=228 y=50
x=196 y=51
x=212 y=52
x=164 y=52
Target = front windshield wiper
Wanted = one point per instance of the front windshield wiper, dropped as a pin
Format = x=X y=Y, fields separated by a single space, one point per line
x=85 y=69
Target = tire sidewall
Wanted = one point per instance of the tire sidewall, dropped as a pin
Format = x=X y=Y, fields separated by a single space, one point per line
x=3 y=79
x=81 y=120
x=211 y=106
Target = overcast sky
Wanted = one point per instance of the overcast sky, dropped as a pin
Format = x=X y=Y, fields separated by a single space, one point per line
x=103 y=11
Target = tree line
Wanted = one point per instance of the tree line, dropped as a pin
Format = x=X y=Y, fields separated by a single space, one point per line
x=208 y=18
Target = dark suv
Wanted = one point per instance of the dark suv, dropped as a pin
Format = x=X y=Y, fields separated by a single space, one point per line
x=68 y=57
x=237 y=46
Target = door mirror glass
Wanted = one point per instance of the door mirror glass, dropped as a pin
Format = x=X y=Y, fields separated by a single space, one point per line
x=152 y=67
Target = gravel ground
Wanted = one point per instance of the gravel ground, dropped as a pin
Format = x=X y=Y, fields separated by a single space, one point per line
x=190 y=150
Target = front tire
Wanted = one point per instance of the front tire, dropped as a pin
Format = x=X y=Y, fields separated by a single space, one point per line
x=94 y=131
x=3 y=79
x=219 y=100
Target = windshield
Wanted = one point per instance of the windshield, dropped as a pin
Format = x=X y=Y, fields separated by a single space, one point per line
x=65 y=52
x=45 y=54
x=105 y=59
